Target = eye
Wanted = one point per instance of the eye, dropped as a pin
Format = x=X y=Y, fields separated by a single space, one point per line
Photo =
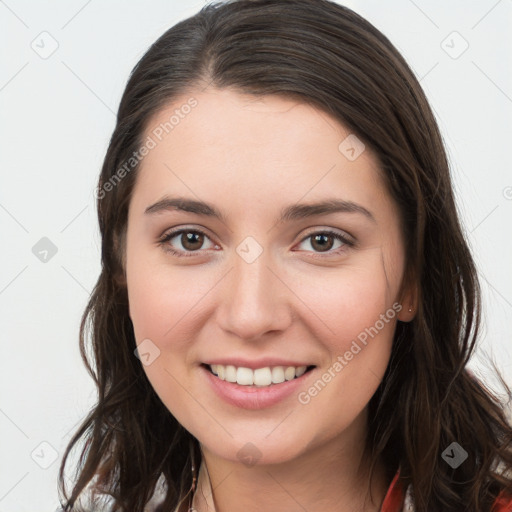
x=187 y=241
x=182 y=241
x=324 y=241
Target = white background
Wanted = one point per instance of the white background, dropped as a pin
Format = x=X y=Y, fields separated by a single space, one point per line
x=57 y=115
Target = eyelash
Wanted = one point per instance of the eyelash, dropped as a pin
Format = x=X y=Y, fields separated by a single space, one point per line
x=169 y=236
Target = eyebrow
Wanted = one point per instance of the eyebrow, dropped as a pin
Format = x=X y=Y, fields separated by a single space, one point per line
x=289 y=213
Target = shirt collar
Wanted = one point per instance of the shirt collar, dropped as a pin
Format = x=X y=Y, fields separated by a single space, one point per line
x=394 y=499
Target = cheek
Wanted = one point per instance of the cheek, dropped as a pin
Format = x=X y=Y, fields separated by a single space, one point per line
x=347 y=301
x=161 y=303
x=163 y=299
x=167 y=307
x=355 y=315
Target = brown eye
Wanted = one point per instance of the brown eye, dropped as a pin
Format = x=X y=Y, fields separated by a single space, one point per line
x=322 y=242
x=329 y=242
x=192 y=240
x=186 y=242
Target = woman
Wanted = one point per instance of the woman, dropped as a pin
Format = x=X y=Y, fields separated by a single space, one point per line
x=287 y=303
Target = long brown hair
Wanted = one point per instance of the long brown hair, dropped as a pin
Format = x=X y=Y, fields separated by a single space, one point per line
x=328 y=56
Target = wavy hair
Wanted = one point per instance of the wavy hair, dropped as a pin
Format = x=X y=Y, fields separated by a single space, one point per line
x=328 y=56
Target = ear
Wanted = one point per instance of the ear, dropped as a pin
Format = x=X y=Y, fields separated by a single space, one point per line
x=409 y=300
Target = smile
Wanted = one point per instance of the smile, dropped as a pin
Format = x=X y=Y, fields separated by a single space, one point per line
x=260 y=377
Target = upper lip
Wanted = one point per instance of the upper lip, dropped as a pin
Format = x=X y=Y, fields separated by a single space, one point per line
x=255 y=363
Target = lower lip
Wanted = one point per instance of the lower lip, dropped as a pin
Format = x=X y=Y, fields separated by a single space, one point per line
x=253 y=397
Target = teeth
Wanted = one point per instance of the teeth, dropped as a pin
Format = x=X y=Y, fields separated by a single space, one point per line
x=244 y=376
x=289 y=373
x=259 y=377
x=230 y=373
x=277 y=374
x=263 y=376
x=301 y=370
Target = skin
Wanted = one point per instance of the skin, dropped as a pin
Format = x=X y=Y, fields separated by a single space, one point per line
x=250 y=157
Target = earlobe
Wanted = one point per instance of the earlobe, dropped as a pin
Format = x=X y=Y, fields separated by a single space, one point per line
x=409 y=303
x=407 y=313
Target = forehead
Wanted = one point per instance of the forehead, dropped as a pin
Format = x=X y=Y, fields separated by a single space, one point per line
x=261 y=148
x=228 y=120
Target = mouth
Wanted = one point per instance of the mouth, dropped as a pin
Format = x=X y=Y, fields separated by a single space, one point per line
x=268 y=376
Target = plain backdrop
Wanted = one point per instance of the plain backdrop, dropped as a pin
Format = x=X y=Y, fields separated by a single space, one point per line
x=64 y=67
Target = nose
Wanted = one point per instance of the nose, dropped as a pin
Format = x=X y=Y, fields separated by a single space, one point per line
x=253 y=300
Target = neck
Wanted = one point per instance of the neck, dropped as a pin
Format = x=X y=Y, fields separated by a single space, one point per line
x=332 y=475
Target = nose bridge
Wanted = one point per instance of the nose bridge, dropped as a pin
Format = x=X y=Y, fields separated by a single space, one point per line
x=253 y=300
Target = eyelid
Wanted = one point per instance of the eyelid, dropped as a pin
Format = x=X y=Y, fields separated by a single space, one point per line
x=180 y=229
x=347 y=237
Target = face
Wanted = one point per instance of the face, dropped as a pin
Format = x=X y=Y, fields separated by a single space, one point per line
x=232 y=269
